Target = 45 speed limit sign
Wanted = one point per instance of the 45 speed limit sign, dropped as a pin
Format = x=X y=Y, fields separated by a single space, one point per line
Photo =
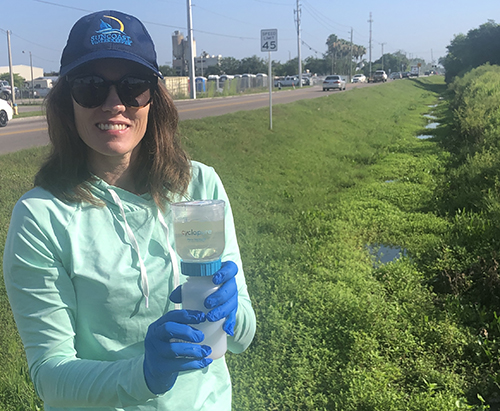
x=269 y=40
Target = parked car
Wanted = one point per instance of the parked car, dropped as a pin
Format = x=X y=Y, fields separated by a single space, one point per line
x=395 y=75
x=333 y=82
x=359 y=78
x=5 y=113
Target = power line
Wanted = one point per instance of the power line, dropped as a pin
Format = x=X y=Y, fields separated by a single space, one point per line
x=226 y=17
x=62 y=5
x=329 y=24
x=35 y=44
x=152 y=22
x=322 y=16
x=269 y=2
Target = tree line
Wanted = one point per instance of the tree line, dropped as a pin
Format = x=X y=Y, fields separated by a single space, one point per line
x=340 y=57
x=468 y=51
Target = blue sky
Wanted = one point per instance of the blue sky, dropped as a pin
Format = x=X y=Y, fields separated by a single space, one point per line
x=422 y=28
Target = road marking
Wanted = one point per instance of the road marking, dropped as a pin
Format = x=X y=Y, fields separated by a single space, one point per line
x=23 y=131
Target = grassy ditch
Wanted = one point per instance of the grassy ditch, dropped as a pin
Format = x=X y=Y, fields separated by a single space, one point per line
x=337 y=330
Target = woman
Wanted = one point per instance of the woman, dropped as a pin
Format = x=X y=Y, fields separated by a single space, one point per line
x=89 y=266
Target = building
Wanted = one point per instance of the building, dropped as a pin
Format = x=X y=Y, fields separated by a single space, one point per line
x=23 y=71
x=204 y=61
x=180 y=53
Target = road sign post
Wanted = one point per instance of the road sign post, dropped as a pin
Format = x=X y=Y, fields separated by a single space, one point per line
x=269 y=42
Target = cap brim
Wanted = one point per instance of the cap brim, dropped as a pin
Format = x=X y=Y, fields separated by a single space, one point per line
x=106 y=54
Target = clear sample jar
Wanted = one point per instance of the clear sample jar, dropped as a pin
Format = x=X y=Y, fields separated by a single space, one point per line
x=200 y=241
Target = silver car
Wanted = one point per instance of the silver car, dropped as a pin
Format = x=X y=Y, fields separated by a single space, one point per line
x=333 y=82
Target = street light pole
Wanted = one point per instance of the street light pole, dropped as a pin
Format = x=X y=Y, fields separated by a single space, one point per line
x=382 y=44
x=32 y=84
x=370 y=21
x=12 y=88
x=350 y=60
x=191 y=52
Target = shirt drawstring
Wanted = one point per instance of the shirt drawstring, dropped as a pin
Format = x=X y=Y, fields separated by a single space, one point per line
x=133 y=241
x=135 y=245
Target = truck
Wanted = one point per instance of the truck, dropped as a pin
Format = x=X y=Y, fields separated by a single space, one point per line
x=414 y=71
x=379 y=75
x=42 y=86
x=5 y=90
x=288 y=81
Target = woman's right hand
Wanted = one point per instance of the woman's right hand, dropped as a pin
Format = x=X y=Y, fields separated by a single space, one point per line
x=165 y=355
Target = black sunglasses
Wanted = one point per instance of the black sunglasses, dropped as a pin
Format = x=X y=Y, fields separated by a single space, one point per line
x=91 y=91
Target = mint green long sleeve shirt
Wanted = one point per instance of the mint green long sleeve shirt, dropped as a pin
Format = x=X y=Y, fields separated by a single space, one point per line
x=74 y=284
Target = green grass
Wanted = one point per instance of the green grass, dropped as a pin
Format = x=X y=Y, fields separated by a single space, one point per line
x=16 y=390
x=334 y=330
x=29 y=114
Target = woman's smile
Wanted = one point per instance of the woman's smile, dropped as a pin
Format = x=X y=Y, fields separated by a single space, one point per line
x=112 y=126
x=113 y=131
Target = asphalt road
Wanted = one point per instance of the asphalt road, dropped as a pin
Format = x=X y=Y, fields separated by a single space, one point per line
x=29 y=132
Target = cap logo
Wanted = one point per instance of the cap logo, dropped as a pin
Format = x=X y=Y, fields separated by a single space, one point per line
x=108 y=34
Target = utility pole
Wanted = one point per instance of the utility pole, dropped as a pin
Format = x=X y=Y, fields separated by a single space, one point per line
x=370 y=21
x=350 y=60
x=12 y=88
x=298 y=12
x=382 y=44
x=191 y=52
x=32 y=85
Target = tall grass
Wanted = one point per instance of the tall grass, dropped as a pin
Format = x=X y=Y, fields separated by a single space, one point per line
x=335 y=329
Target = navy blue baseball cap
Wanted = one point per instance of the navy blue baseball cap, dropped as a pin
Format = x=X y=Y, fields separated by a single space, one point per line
x=108 y=34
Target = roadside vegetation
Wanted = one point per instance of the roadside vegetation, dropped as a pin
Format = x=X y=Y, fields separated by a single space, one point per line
x=336 y=180
x=26 y=114
x=468 y=51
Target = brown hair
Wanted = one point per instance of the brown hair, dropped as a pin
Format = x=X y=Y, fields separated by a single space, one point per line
x=162 y=167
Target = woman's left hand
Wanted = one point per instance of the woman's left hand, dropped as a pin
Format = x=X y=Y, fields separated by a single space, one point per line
x=223 y=303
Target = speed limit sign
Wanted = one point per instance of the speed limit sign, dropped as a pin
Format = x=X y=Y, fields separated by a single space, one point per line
x=269 y=40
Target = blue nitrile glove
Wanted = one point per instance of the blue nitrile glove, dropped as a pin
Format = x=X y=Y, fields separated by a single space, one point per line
x=223 y=302
x=163 y=358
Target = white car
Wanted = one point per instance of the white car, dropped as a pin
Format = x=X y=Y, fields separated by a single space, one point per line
x=5 y=113
x=359 y=78
x=333 y=82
